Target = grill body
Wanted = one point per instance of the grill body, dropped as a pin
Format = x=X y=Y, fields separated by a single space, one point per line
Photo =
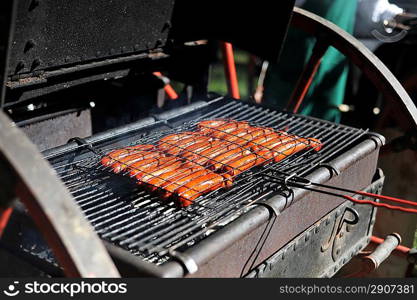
x=252 y=221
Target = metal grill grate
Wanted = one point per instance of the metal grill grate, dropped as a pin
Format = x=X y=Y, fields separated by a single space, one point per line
x=126 y=215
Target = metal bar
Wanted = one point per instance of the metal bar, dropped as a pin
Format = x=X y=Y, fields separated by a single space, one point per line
x=307 y=76
x=8 y=14
x=53 y=208
x=361 y=56
x=230 y=69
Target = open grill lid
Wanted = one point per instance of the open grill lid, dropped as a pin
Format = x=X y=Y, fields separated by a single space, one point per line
x=51 y=42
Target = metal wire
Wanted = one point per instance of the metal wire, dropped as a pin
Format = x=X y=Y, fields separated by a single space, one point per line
x=127 y=215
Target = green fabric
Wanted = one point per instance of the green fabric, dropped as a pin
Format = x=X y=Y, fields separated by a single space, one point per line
x=328 y=88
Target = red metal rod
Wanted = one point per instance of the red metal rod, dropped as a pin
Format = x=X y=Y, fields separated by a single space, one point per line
x=400 y=248
x=371 y=195
x=4 y=218
x=230 y=69
x=169 y=90
x=384 y=205
x=307 y=76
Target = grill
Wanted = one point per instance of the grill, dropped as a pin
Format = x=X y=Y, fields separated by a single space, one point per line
x=265 y=224
x=126 y=215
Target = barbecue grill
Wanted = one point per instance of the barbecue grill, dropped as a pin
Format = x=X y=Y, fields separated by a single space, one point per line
x=92 y=222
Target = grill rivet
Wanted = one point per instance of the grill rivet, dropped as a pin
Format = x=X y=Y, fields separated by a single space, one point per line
x=33 y=5
x=29 y=45
x=20 y=65
x=36 y=63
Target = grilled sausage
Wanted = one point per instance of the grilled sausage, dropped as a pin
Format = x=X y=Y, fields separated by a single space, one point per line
x=241 y=164
x=223 y=159
x=176 y=182
x=208 y=124
x=175 y=148
x=139 y=168
x=175 y=137
x=281 y=152
x=214 y=148
x=199 y=186
x=166 y=178
x=123 y=163
x=269 y=141
x=219 y=126
x=197 y=148
x=156 y=171
x=117 y=154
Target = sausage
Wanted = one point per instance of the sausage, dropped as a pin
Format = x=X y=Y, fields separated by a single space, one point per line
x=202 y=125
x=197 y=148
x=156 y=171
x=199 y=186
x=217 y=147
x=241 y=164
x=244 y=136
x=223 y=159
x=123 y=163
x=269 y=141
x=230 y=136
x=281 y=152
x=166 y=178
x=117 y=154
x=176 y=182
x=175 y=137
x=138 y=168
x=175 y=148
x=218 y=126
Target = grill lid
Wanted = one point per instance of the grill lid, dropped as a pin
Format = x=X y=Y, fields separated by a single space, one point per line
x=58 y=43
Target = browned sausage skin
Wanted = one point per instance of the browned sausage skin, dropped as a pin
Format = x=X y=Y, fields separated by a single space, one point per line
x=200 y=186
x=117 y=154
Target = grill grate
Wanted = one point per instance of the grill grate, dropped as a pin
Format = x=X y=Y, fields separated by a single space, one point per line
x=126 y=215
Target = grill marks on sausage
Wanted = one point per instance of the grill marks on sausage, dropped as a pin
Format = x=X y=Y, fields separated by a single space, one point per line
x=187 y=165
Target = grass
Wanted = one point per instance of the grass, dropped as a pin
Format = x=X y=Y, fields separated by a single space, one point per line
x=415 y=240
x=218 y=80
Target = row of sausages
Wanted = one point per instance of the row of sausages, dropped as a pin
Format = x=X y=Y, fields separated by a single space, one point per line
x=186 y=165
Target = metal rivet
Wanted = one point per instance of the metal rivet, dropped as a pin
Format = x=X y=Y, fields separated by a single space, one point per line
x=29 y=45
x=20 y=65
x=36 y=63
x=166 y=26
x=33 y=5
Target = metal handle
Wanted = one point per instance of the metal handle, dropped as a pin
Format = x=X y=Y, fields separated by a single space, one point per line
x=382 y=252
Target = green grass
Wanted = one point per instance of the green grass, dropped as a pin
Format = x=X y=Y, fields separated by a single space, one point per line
x=415 y=240
x=218 y=82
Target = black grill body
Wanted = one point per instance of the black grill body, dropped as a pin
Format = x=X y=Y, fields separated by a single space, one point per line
x=230 y=233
